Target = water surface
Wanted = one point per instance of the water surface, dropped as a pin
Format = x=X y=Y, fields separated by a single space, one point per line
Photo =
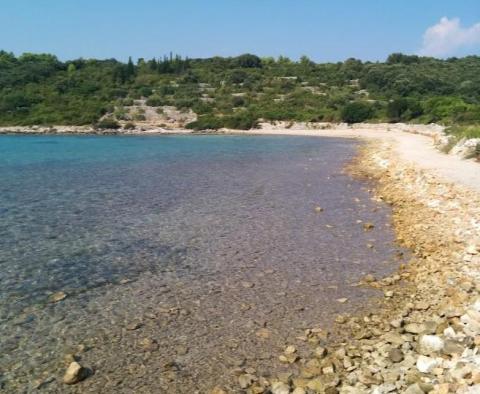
x=205 y=240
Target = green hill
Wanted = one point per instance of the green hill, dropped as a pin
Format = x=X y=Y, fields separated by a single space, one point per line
x=237 y=92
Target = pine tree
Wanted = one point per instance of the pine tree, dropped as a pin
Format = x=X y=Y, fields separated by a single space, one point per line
x=130 y=68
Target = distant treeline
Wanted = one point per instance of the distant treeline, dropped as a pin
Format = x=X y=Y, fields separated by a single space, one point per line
x=238 y=91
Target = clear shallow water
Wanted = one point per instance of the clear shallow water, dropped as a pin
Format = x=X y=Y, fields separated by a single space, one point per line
x=222 y=227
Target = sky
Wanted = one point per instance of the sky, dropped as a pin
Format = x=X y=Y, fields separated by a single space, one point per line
x=332 y=30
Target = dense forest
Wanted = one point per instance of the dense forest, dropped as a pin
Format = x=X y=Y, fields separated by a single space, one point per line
x=38 y=89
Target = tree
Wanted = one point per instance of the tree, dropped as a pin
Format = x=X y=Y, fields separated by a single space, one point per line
x=248 y=61
x=108 y=123
x=403 y=109
x=71 y=69
x=400 y=58
x=130 y=70
x=357 y=112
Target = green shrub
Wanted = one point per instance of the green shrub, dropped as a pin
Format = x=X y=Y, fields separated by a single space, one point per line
x=241 y=121
x=460 y=131
x=129 y=126
x=145 y=91
x=357 y=112
x=403 y=109
x=139 y=117
x=238 y=101
x=206 y=122
x=107 y=123
x=156 y=101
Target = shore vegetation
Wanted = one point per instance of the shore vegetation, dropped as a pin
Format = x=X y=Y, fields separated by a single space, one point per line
x=238 y=92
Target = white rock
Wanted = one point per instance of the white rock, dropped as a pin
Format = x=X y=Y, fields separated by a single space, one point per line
x=449 y=332
x=472 y=249
x=475 y=389
x=430 y=344
x=476 y=305
x=471 y=322
x=426 y=364
x=280 y=388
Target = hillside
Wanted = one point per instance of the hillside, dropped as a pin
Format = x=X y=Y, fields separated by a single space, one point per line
x=38 y=89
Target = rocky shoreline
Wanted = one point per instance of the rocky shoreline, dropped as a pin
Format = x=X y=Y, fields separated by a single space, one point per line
x=464 y=148
x=88 y=130
x=424 y=337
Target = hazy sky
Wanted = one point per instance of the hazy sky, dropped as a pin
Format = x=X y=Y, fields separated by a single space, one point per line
x=323 y=30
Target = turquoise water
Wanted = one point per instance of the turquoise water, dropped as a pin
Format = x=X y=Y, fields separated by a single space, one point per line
x=216 y=221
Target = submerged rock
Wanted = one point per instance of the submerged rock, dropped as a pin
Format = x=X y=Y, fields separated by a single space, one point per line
x=280 y=388
x=369 y=278
x=74 y=373
x=368 y=226
x=57 y=297
x=133 y=326
x=217 y=390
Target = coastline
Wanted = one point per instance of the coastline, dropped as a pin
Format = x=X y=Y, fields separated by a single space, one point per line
x=425 y=335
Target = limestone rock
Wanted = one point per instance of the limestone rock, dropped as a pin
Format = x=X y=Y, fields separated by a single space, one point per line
x=133 y=326
x=246 y=380
x=368 y=226
x=426 y=364
x=57 y=297
x=74 y=373
x=148 y=344
x=320 y=352
x=452 y=347
x=429 y=344
x=395 y=355
x=218 y=390
x=369 y=278
x=290 y=349
x=280 y=388
x=414 y=328
x=299 y=390
x=414 y=389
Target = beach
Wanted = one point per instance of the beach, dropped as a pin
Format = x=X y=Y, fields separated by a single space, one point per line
x=424 y=337
x=414 y=328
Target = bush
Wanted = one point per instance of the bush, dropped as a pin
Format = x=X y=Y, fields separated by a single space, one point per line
x=238 y=101
x=403 y=109
x=155 y=101
x=129 y=126
x=241 y=121
x=107 y=123
x=145 y=91
x=472 y=131
x=139 y=117
x=248 y=61
x=357 y=112
x=206 y=122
